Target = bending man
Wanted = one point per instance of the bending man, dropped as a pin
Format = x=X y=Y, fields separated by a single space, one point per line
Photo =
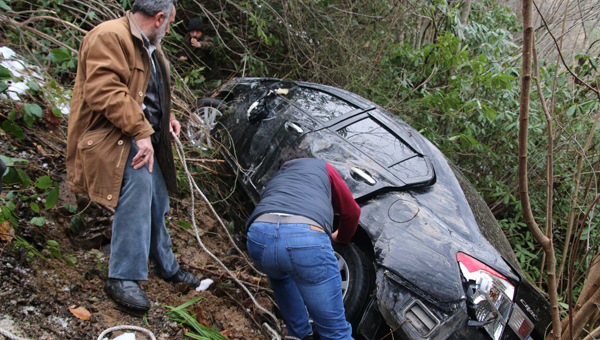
x=288 y=239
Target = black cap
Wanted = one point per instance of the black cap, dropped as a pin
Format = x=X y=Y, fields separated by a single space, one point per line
x=196 y=25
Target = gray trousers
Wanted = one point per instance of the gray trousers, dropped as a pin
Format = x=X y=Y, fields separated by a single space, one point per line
x=139 y=232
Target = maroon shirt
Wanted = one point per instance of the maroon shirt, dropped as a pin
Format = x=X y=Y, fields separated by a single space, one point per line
x=344 y=204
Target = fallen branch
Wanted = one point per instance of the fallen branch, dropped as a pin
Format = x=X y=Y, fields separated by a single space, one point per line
x=19 y=25
x=47 y=17
x=192 y=184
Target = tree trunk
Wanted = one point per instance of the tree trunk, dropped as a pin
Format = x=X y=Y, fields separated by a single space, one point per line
x=545 y=242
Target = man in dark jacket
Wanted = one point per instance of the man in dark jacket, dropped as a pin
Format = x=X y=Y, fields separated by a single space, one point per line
x=198 y=49
x=120 y=126
x=289 y=240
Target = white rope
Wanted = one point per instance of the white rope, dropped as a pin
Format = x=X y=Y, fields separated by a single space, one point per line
x=191 y=182
x=10 y=335
x=134 y=328
x=274 y=335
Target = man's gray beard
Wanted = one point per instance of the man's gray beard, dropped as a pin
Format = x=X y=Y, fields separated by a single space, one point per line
x=159 y=34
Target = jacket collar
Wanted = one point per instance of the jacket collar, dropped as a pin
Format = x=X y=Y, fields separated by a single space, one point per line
x=133 y=27
x=137 y=32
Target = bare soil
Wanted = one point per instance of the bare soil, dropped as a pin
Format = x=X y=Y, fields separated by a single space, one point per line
x=41 y=286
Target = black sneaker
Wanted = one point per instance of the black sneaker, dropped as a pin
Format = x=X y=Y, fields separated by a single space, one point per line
x=128 y=294
x=185 y=277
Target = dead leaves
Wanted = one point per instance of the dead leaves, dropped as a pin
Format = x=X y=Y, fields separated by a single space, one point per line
x=7 y=232
x=80 y=312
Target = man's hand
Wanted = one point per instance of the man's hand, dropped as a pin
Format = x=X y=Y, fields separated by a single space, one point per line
x=334 y=236
x=175 y=126
x=196 y=43
x=144 y=155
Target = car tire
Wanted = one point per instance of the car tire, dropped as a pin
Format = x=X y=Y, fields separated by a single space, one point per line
x=203 y=119
x=358 y=277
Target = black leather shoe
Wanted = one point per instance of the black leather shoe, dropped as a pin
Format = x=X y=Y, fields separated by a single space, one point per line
x=127 y=293
x=185 y=277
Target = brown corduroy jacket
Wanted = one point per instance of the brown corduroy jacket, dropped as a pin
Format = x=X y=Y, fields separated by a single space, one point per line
x=106 y=110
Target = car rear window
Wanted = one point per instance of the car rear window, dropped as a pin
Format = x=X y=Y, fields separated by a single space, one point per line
x=318 y=104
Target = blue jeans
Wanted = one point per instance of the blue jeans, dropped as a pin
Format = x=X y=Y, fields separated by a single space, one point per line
x=304 y=275
x=138 y=230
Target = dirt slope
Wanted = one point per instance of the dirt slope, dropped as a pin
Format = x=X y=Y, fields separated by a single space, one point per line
x=42 y=285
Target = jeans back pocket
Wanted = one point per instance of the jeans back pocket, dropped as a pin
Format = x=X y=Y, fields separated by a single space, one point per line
x=309 y=263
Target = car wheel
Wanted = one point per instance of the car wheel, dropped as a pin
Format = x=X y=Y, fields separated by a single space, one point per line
x=203 y=119
x=358 y=279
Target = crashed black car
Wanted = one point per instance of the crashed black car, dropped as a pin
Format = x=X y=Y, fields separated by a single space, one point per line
x=429 y=260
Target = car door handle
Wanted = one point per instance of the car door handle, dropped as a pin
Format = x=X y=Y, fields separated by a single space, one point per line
x=294 y=127
x=363 y=175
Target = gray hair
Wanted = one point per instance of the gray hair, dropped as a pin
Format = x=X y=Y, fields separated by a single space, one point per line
x=149 y=8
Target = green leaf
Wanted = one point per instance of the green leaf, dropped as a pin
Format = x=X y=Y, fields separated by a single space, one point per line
x=11 y=161
x=33 y=109
x=77 y=224
x=23 y=178
x=472 y=140
x=33 y=86
x=3 y=87
x=59 y=55
x=5 y=72
x=28 y=119
x=39 y=221
x=4 y=6
x=35 y=207
x=52 y=243
x=12 y=116
x=43 y=182
x=70 y=208
x=185 y=225
x=57 y=112
x=52 y=197
x=71 y=260
x=593 y=63
x=13 y=129
x=7 y=213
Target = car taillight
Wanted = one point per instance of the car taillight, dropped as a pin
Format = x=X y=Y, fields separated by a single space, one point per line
x=489 y=294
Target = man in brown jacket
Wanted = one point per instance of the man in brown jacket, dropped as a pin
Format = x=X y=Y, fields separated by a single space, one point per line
x=120 y=126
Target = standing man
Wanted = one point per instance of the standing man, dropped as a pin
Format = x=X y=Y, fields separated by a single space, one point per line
x=119 y=130
x=288 y=239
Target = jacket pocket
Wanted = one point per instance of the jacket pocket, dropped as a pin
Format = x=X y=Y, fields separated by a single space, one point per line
x=100 y=153
x=92 y=138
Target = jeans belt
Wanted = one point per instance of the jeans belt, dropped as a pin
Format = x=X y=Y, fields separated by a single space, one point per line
x=289 y=219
